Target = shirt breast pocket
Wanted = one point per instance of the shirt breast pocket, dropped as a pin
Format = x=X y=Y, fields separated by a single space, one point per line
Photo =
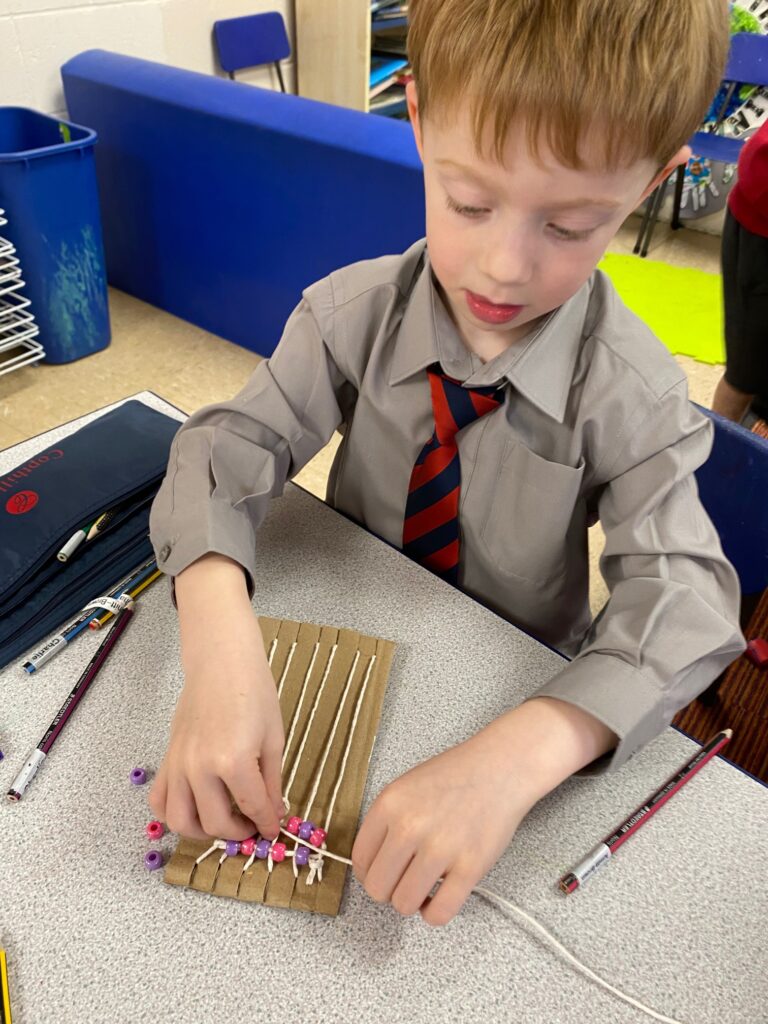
x=528 y=525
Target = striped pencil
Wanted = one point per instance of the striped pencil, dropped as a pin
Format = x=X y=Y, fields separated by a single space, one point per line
x=67 y=709
x=603 y=852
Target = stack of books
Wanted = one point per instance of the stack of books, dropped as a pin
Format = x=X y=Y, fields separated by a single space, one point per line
x=390 y=72
x=18 y=329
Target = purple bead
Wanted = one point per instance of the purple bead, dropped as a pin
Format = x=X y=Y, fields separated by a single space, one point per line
x=306 y=828
x=301 y=856
x=138 y=776
x=2 y=755
x=232 y=848
x=153 y=860
x=262 y=849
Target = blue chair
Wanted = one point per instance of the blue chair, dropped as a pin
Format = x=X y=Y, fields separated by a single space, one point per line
x=251 y=41
x=733 y=486
x=747 y=63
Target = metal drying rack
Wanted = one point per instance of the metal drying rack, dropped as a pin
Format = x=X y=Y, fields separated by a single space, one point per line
x=18 y=329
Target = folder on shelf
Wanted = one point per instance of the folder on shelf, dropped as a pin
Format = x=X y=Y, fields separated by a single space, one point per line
x=383 y=68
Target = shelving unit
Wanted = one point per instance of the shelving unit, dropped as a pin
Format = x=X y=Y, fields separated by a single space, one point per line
x=18 y=330
x=334 y=41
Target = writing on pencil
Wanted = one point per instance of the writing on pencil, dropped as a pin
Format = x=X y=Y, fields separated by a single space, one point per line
x=603 y=852
x=65 y=712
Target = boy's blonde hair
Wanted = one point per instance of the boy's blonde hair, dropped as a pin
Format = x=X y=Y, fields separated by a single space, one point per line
x=639 y=74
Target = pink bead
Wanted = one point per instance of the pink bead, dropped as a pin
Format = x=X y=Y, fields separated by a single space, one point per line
x=248 y=846
x=155 y=830
x=318 y=837
x=292 y=826
x=278 y=852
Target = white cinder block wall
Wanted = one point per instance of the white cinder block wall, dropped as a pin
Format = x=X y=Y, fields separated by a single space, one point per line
x=38 y=36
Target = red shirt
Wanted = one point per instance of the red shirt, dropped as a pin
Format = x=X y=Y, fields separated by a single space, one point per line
x=748 y=201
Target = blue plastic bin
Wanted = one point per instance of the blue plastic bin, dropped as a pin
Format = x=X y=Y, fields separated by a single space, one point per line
x=48 y=191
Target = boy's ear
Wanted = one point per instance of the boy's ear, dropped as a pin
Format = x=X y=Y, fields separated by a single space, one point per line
x=412 y=99
x=682 y=156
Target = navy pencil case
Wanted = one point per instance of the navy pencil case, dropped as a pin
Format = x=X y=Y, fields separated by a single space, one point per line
x=116 y=461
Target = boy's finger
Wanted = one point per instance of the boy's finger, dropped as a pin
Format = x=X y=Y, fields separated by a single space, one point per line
x=250 y=794
x=388 y=867
x=158 y=793
x=214 y=808
x=413 y=889
x=271 y=773
x=180 y=811
x=367 y=844
x=448 y=900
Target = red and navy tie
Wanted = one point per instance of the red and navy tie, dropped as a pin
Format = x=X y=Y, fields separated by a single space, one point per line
x=431 y=527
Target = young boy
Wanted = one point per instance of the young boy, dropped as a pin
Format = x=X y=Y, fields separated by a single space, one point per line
x=541 y=125
x=744 y=384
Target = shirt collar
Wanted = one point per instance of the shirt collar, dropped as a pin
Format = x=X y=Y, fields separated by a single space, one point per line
x=540 y=366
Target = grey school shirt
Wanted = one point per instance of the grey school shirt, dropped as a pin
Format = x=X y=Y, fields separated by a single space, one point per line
x=595 y=423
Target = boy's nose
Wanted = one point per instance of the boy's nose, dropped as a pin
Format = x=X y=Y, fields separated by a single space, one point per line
x=508 y=263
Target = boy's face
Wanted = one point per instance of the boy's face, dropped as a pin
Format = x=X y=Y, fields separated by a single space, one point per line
x=510 y=242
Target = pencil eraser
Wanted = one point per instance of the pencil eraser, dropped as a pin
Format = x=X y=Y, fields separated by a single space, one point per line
x=757 y=652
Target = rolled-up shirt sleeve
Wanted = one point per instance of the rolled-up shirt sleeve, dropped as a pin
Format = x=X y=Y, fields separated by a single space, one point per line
x=228 y=460
x=671 y=623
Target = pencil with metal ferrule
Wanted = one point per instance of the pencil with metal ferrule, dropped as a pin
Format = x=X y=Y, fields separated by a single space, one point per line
x=57 y=643
x=603 y=852
x=67 y=709
x=5 y=996
x=104 y=617
x=101 y=524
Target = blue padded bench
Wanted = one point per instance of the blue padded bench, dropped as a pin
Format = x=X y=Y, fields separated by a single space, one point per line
x=221 y=201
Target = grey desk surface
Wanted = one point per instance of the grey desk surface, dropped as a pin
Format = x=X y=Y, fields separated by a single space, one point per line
x=678 y=920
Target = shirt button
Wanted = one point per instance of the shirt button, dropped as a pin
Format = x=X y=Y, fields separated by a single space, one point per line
x=165 y=552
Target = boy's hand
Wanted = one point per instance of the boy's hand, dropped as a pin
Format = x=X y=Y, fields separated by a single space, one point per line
x=452 y=816
x=227 y=732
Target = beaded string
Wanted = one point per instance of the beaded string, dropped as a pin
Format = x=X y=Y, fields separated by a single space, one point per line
x=263 y=848
x=305 y=828
x=316 y=862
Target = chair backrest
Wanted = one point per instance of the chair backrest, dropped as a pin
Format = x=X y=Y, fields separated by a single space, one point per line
x=251 y=40
x=733 y=485
x=748 y=59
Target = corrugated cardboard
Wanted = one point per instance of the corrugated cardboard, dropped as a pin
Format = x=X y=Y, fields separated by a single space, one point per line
x=281 y=888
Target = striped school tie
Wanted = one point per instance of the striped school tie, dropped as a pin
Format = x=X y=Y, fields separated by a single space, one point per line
x=431 y=527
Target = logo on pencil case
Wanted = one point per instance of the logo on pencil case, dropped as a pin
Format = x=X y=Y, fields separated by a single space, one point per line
x=8 y=482
x=22 y=502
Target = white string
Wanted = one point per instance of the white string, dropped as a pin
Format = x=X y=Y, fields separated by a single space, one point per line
x=324 y=759
x=272 y=649
x=284 y=676
x=343 y=768
x=295 y=718
x=316 y=865
x=305 y=737
x=332 y=736
x=499 y=900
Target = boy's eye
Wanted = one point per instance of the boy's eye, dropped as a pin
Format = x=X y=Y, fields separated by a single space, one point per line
x=465 y=211
x=569 y=236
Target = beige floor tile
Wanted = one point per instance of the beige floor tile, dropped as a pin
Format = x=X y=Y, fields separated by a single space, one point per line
x=9 y=436
x=683 y=248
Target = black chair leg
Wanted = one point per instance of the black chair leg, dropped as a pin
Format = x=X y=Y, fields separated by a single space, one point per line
x=662 y=191
x=676 y=223
x=650 y=203
x=280 y=75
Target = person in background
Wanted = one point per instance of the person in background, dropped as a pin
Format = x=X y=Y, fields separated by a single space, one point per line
x=742 y=394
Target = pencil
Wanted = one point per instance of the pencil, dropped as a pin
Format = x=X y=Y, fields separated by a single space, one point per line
x=98 y=621
x=73 y=629
x=5 y=999
x=608 y=847
x=101 y=524
x=67 y=709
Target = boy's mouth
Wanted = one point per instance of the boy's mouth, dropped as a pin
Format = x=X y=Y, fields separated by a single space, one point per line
x=491 y=312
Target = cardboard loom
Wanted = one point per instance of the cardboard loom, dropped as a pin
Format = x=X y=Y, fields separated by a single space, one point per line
x=281 y=888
